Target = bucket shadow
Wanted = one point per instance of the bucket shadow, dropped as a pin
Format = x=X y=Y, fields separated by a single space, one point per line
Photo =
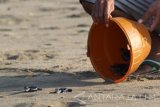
x=47 y=79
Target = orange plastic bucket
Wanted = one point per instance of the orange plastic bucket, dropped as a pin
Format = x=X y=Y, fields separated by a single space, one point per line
x=106 y=45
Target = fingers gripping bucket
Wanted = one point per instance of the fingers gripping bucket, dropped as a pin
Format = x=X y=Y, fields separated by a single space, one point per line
x=106 y=46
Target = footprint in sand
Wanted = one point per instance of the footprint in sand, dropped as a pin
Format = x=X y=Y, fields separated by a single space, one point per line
x=47 y=9
x=12 y=57
x=5 y=30
x=76 y=15
x=1 y=96
x=82 y=25
x=49 y=28
x=29 y=55
x=72 y=8
x=4 y=1
x=32 y=51
x=82 y=31
x=48 y=44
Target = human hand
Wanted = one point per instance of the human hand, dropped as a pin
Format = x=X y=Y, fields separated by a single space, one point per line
x=102 y=10
x=152 y=13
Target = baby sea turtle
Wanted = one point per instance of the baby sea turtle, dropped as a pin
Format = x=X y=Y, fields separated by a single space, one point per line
x=31 y=88
x=125 y=54
x=62 y=90
x=120 y=69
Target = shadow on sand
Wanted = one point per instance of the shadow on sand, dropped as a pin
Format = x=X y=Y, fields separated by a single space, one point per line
x=46 y=79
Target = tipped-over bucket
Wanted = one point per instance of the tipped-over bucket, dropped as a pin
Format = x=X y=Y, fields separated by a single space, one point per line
x=117 y=51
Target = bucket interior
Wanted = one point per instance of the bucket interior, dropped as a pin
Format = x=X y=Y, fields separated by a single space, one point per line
x=115 y=52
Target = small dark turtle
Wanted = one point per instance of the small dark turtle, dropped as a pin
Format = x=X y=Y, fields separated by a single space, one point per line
x=120 y=69
x=125 y=54
x=62 y=90
x=31 y=88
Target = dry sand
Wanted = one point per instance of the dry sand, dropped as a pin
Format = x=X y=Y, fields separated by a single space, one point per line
x=43 y=43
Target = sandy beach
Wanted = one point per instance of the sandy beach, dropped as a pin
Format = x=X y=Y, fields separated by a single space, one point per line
x=44 y=43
